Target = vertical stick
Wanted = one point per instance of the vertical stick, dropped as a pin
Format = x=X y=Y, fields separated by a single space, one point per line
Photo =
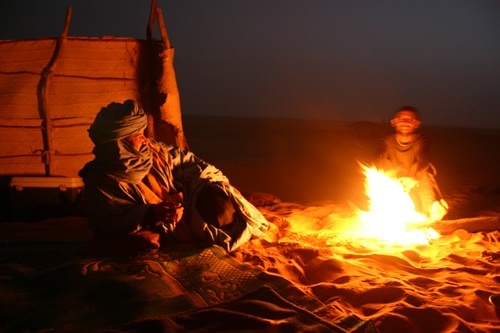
x=152 y=15
x=47 y=75
x=66 y=23
x=163 y=29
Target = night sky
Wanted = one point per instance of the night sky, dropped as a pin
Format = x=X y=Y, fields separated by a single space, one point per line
x=339 y=60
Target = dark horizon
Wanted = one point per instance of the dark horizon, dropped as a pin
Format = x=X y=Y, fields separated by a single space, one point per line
x=345 y=61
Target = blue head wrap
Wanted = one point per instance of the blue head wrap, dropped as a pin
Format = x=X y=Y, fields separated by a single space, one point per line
x=113 y=154
x=118 y=121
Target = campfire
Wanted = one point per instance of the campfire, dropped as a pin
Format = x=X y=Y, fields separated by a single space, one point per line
x=391 y=216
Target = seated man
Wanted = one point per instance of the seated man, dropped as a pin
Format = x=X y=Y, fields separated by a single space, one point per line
x=405 y=153
x=135 y=184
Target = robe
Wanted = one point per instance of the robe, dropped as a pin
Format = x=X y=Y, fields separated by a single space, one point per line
x=118 y=207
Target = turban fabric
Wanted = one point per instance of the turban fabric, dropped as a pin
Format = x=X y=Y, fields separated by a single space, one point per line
x=118 y=121
x=114 y=155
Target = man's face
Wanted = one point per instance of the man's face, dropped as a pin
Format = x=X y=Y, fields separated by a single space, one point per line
x=137 y=140
x=405 y=122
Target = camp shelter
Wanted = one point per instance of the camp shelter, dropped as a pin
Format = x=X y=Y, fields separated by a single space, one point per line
x=52 y=88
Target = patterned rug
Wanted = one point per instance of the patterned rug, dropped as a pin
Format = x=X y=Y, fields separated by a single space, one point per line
x=57 y=286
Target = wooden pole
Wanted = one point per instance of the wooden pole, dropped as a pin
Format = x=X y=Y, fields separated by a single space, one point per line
x=152 y=15
x=66 y=23
x=47 y=75
x=150 y=105
x=163 y=29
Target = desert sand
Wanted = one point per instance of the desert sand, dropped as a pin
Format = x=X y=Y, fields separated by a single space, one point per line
x=305 y=177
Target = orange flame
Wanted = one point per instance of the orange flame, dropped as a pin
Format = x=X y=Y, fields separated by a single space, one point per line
x=391 y=217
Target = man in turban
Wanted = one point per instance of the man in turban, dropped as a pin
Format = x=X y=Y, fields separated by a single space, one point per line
x=135 y=184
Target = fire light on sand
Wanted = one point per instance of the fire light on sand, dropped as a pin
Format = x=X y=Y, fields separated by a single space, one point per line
x=391 y=217
x=390 y=221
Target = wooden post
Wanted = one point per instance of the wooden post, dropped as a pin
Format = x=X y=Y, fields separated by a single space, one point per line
x=152 y=15
x=66 y=23
x=48 y=73
x=163 y=29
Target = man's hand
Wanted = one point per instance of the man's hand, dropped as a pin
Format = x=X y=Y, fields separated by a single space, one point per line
x=168 y=213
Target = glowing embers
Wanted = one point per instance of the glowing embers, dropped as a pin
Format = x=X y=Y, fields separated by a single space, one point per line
x=391 y=215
